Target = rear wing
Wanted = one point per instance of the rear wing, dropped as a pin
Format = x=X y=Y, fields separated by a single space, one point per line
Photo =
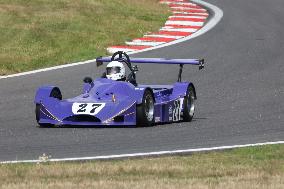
x=197 y=62
x=123 y=57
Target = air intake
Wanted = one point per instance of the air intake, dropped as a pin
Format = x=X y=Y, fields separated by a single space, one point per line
x=82 y=118
x=119 y=119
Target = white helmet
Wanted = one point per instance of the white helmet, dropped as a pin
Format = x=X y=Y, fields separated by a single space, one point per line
x=116 y=71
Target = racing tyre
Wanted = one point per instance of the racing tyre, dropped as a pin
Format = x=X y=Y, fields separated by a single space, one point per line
x=37 y=112
x=55 y=93
x=189 y=106
x=145 y=110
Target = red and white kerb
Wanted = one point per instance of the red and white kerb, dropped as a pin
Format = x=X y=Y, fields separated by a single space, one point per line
x=186 y=19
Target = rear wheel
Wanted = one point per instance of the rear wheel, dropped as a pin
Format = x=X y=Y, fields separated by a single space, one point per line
x=189 y=105
x=145 y=110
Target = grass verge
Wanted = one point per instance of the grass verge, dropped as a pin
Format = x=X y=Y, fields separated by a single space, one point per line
x=255 y=167
x=42 y=33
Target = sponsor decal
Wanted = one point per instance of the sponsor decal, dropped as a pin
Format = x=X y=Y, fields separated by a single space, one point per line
x=141 y=89
x=177 y=109
x=157 y=119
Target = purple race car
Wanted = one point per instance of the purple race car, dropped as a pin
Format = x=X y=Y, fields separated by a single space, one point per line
x=119 y=101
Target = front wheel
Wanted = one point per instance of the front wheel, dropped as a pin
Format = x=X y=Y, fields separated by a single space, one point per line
x=37 y=112
x=145 y=110
x=189 y=106
x=54 y=93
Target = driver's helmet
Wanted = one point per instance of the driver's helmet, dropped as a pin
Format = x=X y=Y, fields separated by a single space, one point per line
x=116 y=71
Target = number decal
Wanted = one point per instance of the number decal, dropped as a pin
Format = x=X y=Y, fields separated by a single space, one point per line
x=94 y=106
x=87 y=108
x=82 y=108
x=177 y=109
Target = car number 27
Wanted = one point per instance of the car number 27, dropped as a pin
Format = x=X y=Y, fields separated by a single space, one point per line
x=87 y=108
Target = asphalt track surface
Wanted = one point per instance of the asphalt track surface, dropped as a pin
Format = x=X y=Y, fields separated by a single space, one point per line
x=240 y=93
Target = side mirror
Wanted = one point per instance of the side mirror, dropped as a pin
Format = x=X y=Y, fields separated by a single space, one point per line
x=88 y=80
x=135 y=68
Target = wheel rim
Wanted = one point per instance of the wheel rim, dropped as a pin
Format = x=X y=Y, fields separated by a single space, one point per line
x=149 y=107
x=190 y=104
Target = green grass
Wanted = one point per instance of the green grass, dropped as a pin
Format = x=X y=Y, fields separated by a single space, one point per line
x=255 y=167
x=42 y=33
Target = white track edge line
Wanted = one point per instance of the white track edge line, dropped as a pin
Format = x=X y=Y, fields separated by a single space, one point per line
x=147 y=154
x=218 y=14
x=48 y=69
